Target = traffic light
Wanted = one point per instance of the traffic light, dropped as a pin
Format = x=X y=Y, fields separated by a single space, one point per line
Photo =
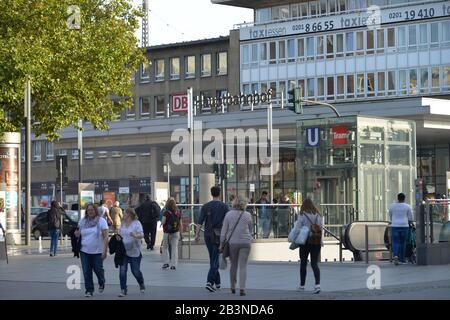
x=295 y=97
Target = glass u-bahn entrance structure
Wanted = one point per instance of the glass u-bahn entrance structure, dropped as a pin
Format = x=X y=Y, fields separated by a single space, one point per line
x=361 y=161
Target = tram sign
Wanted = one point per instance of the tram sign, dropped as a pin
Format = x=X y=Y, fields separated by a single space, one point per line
x=340 y=135
x=312 y=137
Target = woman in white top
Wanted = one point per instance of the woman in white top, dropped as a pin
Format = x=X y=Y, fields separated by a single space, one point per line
x=94 y=247
x=132 y=232
x=240 y=241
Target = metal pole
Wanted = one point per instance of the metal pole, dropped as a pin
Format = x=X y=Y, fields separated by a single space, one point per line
x=282 y=100
x=168 y=179
x=61 y=192
x=80 y=162
x=367 y=243
x=28 y=163
x=191 y=153
x=269 y=116
x=340 y=243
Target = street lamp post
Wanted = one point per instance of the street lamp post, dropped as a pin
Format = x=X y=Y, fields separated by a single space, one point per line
x=167 y=170
x=28 y=162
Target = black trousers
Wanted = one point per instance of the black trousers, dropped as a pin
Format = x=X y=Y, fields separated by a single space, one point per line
x=305 y=251
x=150 y=232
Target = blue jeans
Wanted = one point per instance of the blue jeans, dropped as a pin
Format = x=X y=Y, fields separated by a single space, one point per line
x=265 y=227
x=91 y=262
x=213 y=250
x=135 y=264
x=54 y=234
x=399 y=242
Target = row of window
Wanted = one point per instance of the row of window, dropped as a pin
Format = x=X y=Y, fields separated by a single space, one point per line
x=320 y=8
x=362 y=85
x=189 y=67
x=36 y=153
x=330 y=46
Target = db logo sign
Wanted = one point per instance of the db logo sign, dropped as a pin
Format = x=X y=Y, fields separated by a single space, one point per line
x=180 y=102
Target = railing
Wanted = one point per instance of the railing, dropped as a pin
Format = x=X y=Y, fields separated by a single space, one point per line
x=433 y=221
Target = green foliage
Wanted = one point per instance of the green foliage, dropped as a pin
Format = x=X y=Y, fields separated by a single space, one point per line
x=74 y=73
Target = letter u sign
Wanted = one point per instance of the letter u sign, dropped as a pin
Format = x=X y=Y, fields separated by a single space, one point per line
x=313 y=137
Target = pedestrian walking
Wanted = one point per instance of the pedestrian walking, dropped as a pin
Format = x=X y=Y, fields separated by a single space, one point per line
x=264 y=216
x=212 y=215
x=148 y=213
x=93 y=230
x=171 y=223
x=104 y=212
x=400 y=214
x=237 y=231
x=132 y=232
x=311 y=218
x=116 y=216
x=54 y=216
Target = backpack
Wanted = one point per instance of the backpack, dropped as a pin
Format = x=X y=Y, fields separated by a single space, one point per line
x=173 y=222
x=315 y=232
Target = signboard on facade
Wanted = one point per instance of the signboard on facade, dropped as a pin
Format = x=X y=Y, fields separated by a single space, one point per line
x=340 y=135
x=370 y=18
x=313 y=137
x=3 y=208
x=180 y=102
x=124 y=190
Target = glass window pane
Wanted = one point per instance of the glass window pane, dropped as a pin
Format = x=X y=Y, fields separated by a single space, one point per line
x=273 y=51
x=310 y=46
x=206 y=65
x=301 y=47
x=423 y=30
x=370 y=41
x=320 y=87
x=222 y=64
x=281 y=49
x=370 y=84
x=310 y=87
x=446 y=31
x=391 y=37
x=349 y=39
x=320 y=46
x=145 y=107
x=424 y=83
x=340 y=85
x=339 y=43
x=413 y=81
x=391 y=81
x=160 y=106
x=159 y=69
x=330 y=87
x=360 y=79
x=291 y=48
x=254 y=52
x=402 y=36
x=245 y=54
x=434 y=32
x=380 y=39
x=412 y=35
x=330 y=46
x=190 y=66
x=263 y=51
x=360 y=40
x=446 y=76
x=175 y=68
x=381 y=81
x=350 y=85
x=435 y=79
x=402 y=81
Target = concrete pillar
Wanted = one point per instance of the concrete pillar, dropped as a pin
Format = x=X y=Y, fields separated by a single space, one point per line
x=10 y=186
x=207 y=181
x=156 y=167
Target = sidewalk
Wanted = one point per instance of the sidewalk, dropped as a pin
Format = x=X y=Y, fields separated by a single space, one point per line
x=38 y=276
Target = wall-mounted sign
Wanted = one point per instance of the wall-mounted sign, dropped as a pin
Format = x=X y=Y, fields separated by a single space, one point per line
x=180 y=102
x=340 y=135
x=312 y=137
x=372 y=17
x=124 y=190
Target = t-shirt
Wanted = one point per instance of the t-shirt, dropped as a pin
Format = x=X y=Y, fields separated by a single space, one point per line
x=103 y=211
x=400 y=214
x=131 y=244
x=218 y=211
x=92 y=241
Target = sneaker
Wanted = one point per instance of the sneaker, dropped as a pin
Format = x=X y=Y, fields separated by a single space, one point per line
x=217 y=286
x=123 y=293
x=316 y=289
x=152 y=248
x=101 y=288
x=88 y=294
x=396 y=260
x=148 y=247
x=142 y=288
x=165 y=266
x=242 y=293
x=51 y=254
x=173 y=268
x=233 y=290
x=209 y=287
x=301 y=289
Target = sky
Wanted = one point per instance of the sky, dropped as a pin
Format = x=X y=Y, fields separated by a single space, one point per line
x=184 y=20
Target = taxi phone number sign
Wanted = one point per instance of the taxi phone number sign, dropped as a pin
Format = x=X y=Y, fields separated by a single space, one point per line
x=180 y=102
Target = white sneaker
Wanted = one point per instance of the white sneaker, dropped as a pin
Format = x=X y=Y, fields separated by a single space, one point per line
x=316 y=289
x=396 y=260
x=301 y=289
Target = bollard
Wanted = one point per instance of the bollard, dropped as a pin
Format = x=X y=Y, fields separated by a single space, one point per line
x=40 y=244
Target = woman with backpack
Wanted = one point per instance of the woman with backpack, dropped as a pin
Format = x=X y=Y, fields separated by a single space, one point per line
x=310 y=217
x=131 y=232
x=171 y=228
x=54 y=225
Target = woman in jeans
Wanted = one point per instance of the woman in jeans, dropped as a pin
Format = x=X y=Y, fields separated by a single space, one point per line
x=240 y=241
x=94 y=247
x=132 y=232
x=309 y=214
x=171 y=234
x=54 y=225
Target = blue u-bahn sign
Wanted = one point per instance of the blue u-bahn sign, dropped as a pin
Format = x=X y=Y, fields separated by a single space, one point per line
x=313 y=137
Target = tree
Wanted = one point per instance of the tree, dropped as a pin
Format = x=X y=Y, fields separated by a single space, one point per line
x=75 y=73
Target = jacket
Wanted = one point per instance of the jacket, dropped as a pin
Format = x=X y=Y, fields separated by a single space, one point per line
x=117 y=247
x=75 y=242
x=148 y=212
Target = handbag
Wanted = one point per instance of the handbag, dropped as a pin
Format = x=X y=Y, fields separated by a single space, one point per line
x=222 y=262
x=226 y=244
x=302 y=236
x=294 y=233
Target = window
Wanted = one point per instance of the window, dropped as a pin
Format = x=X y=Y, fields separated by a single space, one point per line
x=254 y=54
x=272 y=52
x=360 y=43
x=49 y=153
x=322 y=7
x=130 y=113
x=435 y=79
x=370 y=84
x=75 y=154
x=340 y=87
x=159 y=72
x=381 y=84
x=402 y=82
x=360 y=79
x=294 y=11
x=160 y=106
x=332 y=6
x=62 y=152
x=280 y=12
x=174 y=68
x=301 y=47
x=313 y=8
x=330 y=88
x=412 y=42
x=263 y=51
x=310 y=47
x=145 y=71
x=116 y=154
x=291 y=50
x=349 y=43
x=370 y=41
x=446 y=78
x=303 y=9
x=342 y=5
x=446 y=31
x=245 y=54
x=413 y=88
x=320 y=88
x=340 y=45
x=273 y=86
x=435 y=34
x=424 y=82
x=254 y=88
x=350 y=86
x=282 y=51
x=189 y=67
x=222 y=63
x=282 y=89
x=206 y=65
x=102 y=154
x=380 y=40
x=401 y=37
x=391 y=37
x=320 y=47
x=262 y=15
x=145 y=107
x=89 y=154
x=264 y=87
x=330 y=46
x=310 y=88
x=423 y=35
x=391 y=83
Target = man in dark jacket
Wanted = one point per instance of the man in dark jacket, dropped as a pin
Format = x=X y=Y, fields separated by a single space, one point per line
x=54 y=217
x=148 y=213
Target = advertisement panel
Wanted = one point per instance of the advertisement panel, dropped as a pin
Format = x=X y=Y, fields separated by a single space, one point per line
x=9 y=185
x=109 y=198
x=340 y=135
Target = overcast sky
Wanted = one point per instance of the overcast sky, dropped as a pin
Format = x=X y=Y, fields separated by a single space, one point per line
x=184 y=20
